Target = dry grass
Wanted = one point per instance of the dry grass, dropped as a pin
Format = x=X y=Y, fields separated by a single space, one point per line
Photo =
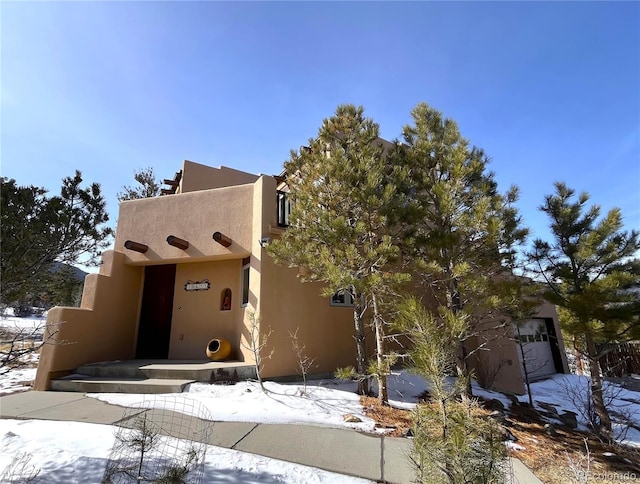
x=28 y=360
x=396 y=421
x=549 y=457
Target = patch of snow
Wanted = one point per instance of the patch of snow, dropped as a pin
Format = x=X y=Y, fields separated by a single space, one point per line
x=629 y=436
x=513 y=446
x=62 y=452
x=18 y=380
x=283 y=403
x=7 y=320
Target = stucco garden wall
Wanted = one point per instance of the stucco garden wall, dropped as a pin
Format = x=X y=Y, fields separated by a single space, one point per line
x=102 y=328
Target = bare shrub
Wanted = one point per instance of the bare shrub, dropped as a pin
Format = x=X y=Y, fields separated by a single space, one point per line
x=20 y=470
x=580 y=467
x=303 y=360
x=256 y=343
x=486 y=374
x=17 y=344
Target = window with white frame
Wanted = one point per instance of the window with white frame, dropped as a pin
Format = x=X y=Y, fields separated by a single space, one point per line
x=343 y=297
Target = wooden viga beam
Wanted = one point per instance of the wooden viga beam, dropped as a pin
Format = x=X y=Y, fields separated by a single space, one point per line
x=137 y=246
x=222 y=239
x=177 y=242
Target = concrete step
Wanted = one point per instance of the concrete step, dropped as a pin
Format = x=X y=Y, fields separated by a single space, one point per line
x=151 y=376
x=94 y=384
x=202 y=371
x=111 y=369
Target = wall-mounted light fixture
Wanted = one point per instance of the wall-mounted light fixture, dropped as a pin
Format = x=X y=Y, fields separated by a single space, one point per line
x=177 y=242
x=137 y=246
x=264 y=241
x=222 y=239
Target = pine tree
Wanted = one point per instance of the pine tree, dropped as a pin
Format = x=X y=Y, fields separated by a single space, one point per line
x=38 y=230
x=461 y=232
x=148 y=187
x=453 y=441
x=587 y=267
x=342 y=191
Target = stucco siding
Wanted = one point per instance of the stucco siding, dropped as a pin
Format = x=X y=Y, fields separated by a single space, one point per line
x=197 y=315
x=193 y=217
x=196 y=177
x=289 y=305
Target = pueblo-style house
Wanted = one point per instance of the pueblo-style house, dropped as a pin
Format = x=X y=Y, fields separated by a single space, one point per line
x=190 y=267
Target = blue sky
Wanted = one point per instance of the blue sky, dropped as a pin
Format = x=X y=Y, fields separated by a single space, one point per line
x=551 y=91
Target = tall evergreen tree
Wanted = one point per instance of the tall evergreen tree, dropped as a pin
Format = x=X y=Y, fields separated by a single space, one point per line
x=38 y=230
x=586 y=268
x=148 y=186
x=342 y=190
x=461 y=232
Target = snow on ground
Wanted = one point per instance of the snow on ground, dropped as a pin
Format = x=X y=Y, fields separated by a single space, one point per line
x=18 y=380
x=62 y=452
x=31 y=328
x=570 y=393
x=325 y=402
x=13 y=323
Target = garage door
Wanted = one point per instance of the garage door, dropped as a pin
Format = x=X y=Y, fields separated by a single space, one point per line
x=536 y=348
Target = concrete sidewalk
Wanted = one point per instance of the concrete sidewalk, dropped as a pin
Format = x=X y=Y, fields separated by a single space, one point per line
x=374 y=457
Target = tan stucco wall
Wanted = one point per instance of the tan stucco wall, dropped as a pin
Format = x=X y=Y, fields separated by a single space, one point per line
x=325 y=331
x=500 y=350
x=497 y=356
x=197 y=177
x=286 y=304
x=197 y=315
x=190 y=216
x=103 y=328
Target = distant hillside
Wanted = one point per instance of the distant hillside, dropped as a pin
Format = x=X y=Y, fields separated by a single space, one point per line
x=78 y=274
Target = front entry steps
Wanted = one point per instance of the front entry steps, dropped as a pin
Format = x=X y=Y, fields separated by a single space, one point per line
x=151 y=376
x=88 y=384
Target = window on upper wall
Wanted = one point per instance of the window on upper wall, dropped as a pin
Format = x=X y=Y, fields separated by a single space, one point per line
x=343 y=297
x=225 y=300
x=245 y=281
x=283 y=208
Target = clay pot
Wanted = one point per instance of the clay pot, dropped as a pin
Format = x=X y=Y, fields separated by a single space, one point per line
x=218 y=349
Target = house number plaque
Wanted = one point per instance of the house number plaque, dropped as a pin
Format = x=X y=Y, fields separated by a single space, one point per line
x=197 y=285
